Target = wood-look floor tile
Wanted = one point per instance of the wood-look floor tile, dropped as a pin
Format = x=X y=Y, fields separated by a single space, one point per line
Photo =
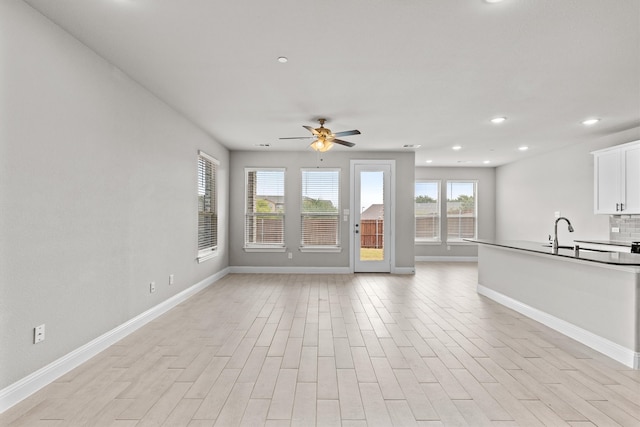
x=328 y=413
x=327 y=378
x=349 y=395
x=304 y=405
x=386 y=378
x=164 y=406
x=375 y=410
x=325 y=343
x=234 y=407
x=266 y=382
x=420 y=405
x=283 y=395
x=182 y=413
x=341 y=350
x=400 y=413
x=143 y=402
x=308 y=369
x=255 y=413
x=214 y=401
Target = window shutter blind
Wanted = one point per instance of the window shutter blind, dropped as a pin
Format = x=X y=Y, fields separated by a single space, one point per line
x=264 y=217
x=207 y=205
x=320 y=213
x=427 y=211
x=461 y=210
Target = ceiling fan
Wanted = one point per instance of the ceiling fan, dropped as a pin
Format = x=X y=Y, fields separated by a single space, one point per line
x=325 y=138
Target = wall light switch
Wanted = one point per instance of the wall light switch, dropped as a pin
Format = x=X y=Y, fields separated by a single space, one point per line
x=171 y=279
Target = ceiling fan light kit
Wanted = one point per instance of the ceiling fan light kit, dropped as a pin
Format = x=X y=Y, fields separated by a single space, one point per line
x=325 y=139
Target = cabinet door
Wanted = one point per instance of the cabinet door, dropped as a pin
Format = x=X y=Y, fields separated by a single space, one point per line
x=608 y=182
x=631 y=181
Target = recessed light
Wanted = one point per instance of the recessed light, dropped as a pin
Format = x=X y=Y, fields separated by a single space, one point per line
x=457 y=147
x=283 y=59
x=498 y=120
x=429 y=161
x=486 y=162
x=523 y=148
x=493 y=1
x=590 y=122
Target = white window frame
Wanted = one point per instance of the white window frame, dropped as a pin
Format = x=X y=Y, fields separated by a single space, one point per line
x=422 y=240
x=475 y=200
x=209 y=250
x=263 y=247
x=335 y=247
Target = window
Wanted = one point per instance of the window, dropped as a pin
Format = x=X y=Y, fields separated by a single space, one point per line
x=427 y=211
x=264 y=214
x=320 y=213
x=207 y=207
x=462 y=208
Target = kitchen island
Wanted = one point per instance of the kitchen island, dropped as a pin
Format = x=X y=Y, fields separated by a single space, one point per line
x=590 y=296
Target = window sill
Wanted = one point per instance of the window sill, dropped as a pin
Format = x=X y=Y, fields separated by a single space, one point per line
x=265 y=248
x=429 y=243
x=325 y=249
x=461 y=242
x=204 y=256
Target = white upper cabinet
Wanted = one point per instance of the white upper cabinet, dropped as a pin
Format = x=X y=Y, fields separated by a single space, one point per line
x=617 y=179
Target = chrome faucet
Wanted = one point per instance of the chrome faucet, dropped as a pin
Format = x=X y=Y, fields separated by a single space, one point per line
x=555 y=234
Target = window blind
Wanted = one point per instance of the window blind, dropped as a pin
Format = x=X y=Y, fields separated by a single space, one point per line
x=207 y=205
x=320 y=212
x=427 y=211
x=461 y=210
x=264 y=216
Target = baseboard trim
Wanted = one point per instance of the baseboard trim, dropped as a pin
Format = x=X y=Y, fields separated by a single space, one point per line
x=403 y=270
x=290 y=270
x=615 y=351
x=33 y=382
x=447 y=258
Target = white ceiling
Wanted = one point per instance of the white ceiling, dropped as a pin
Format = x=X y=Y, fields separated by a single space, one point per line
x=428 y=72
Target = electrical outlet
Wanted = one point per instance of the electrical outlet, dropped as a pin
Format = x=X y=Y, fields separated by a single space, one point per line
x=290 y=255
x=171 y=279
x=38 y=334
x=615 y=229
x=152 y=287
x=557 y=214
x=448 y=247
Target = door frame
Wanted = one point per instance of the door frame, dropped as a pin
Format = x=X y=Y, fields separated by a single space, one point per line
x=390 y=245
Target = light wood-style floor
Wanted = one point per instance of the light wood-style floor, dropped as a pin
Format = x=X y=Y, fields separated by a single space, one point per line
x=350 y=350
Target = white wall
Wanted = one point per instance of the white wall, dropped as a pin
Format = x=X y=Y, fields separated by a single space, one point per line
x=486 y=208
x=97 y=194
x=308 y=159
x=528 y=193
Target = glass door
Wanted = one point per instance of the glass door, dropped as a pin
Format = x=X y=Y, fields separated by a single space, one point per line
x=372 y=222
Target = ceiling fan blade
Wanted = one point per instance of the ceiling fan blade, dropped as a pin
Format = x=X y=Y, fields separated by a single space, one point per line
x=347 y=133
x=310 y=129
x=341 y=142
x=298 y=137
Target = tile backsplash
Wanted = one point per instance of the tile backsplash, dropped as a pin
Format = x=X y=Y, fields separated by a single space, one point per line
x=629 y=226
